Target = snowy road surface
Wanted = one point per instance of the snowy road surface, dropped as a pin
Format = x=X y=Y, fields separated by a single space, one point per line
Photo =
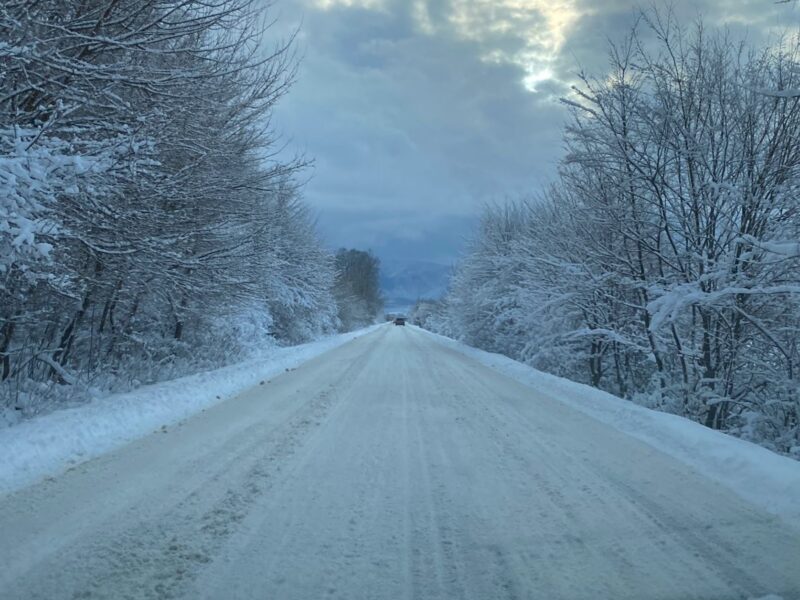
x=391 y=467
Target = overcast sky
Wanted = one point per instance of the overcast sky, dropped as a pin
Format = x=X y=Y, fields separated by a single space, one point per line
x=416 y=112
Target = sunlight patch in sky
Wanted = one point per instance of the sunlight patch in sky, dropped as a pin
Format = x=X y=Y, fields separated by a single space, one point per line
x=369 y=4
x=528 y=33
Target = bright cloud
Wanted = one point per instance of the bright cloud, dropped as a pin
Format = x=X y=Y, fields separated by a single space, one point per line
x=368 y=4
x=528 y=33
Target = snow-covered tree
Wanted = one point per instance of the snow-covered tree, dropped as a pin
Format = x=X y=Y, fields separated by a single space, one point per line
x=357 y=288
x=664 y=264
x=144 y=214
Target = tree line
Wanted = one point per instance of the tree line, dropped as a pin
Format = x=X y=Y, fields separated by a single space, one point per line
x=357 y=290
x=149 y=223
x=664 y=264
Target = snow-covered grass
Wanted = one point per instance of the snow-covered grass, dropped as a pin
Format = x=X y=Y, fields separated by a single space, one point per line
x=763 y=478
x=49 y=444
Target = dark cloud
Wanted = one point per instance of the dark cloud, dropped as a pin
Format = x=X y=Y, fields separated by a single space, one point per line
x=419 y=111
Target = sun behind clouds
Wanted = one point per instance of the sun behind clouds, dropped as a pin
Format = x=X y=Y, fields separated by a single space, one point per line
x=528 y=33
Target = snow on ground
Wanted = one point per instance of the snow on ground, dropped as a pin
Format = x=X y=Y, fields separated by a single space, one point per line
x=391 y=467
x=766 y=479
x=51 y=443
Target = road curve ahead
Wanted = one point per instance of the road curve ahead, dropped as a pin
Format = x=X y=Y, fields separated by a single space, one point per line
x=390 y=468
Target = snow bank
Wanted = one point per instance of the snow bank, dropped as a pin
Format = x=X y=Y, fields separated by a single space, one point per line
x=763 y=478
x=53 y=442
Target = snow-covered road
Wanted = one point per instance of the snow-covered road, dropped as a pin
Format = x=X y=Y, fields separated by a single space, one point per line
x=391 y=467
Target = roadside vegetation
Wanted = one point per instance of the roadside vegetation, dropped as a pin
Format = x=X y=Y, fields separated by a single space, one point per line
x=151 y=223
x=664 y=264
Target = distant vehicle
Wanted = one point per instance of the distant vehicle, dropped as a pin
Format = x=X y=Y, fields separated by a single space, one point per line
x=400 y=321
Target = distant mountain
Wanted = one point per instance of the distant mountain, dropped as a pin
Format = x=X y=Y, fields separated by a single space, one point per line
x=404 y=282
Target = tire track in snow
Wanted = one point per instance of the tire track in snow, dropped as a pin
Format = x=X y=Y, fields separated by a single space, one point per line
x=158 y=557
x=392 y=467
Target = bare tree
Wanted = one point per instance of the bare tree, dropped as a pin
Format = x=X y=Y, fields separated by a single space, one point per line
x=143 y=209
x=665 y=264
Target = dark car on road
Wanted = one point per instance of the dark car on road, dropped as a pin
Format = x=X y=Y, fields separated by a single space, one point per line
x=400 y=321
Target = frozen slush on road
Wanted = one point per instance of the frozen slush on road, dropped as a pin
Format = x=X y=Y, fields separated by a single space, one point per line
x=393 y=466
